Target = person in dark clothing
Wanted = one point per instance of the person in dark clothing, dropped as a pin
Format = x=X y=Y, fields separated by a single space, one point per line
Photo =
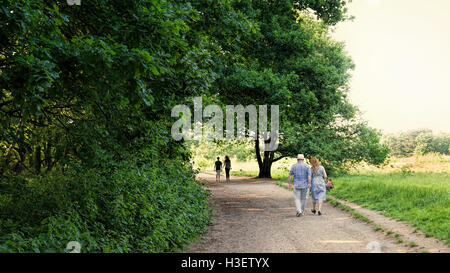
x=218 y=166
x=227 y=167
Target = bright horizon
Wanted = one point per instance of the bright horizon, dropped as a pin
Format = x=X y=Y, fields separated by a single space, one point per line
x=401 y=50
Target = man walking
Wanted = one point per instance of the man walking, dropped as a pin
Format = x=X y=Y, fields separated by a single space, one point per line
x=218 y=166
x=302 y=182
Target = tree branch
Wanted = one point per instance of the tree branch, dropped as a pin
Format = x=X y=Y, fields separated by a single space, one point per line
x=279 y=158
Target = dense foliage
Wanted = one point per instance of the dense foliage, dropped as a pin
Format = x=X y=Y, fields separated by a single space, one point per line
x=293 y=62
x=85 y=98
x=86 y=93
x=154 y=208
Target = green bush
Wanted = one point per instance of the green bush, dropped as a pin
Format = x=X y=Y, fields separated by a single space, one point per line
x=157 y=207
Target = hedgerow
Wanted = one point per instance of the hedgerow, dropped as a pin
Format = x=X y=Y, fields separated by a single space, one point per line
x=157 y=207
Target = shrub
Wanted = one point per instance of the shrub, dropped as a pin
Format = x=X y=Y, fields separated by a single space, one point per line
x=157 y=207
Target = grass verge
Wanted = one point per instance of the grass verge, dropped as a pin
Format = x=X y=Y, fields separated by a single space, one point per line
x=421 y=199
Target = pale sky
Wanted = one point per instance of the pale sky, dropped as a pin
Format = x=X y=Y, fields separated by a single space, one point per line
x=401 y=49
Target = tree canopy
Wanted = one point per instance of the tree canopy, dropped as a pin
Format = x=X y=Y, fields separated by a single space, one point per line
x=292 y=62
x=85 y=99
x=86 y=93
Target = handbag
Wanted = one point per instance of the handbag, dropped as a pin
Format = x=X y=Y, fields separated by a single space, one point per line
x=330 y=185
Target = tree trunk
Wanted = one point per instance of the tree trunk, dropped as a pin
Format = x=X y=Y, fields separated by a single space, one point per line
x=13 y=143
x=265 y=169
x=37 y=159
x=265 y=163
x=48 y=155
x=20 y=165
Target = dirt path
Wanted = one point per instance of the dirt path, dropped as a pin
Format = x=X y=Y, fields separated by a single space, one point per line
x=255 y=215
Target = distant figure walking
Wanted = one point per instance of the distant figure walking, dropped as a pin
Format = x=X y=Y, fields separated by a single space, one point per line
x=218 y=166
x=318 y=186
x=302 y=181
x=227 y=167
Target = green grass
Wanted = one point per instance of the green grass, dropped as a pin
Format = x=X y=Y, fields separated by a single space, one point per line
x=421 y=199
x=283 y=185
x=277 y=174
x=353 y=212
x=247 y=173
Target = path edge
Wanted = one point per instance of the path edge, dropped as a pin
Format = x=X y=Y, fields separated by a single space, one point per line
x=410 y=237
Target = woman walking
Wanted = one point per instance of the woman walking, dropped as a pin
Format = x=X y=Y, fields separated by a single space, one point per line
x=227 y=167
x=318 y=187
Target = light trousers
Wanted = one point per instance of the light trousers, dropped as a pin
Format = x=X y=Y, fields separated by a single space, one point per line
x=300 y=199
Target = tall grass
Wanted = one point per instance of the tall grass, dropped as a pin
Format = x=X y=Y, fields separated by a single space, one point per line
x=429 y=163
x=421 y=199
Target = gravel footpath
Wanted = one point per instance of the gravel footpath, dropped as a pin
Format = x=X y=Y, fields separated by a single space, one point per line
x=255 y=215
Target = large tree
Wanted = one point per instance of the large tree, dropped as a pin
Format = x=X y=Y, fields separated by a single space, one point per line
x=82 y=83
x=85 y=99
x=292 y=62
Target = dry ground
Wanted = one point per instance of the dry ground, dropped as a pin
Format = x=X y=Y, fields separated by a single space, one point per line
x=255 y=215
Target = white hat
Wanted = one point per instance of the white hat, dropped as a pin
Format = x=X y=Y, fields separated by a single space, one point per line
x=300 y=156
